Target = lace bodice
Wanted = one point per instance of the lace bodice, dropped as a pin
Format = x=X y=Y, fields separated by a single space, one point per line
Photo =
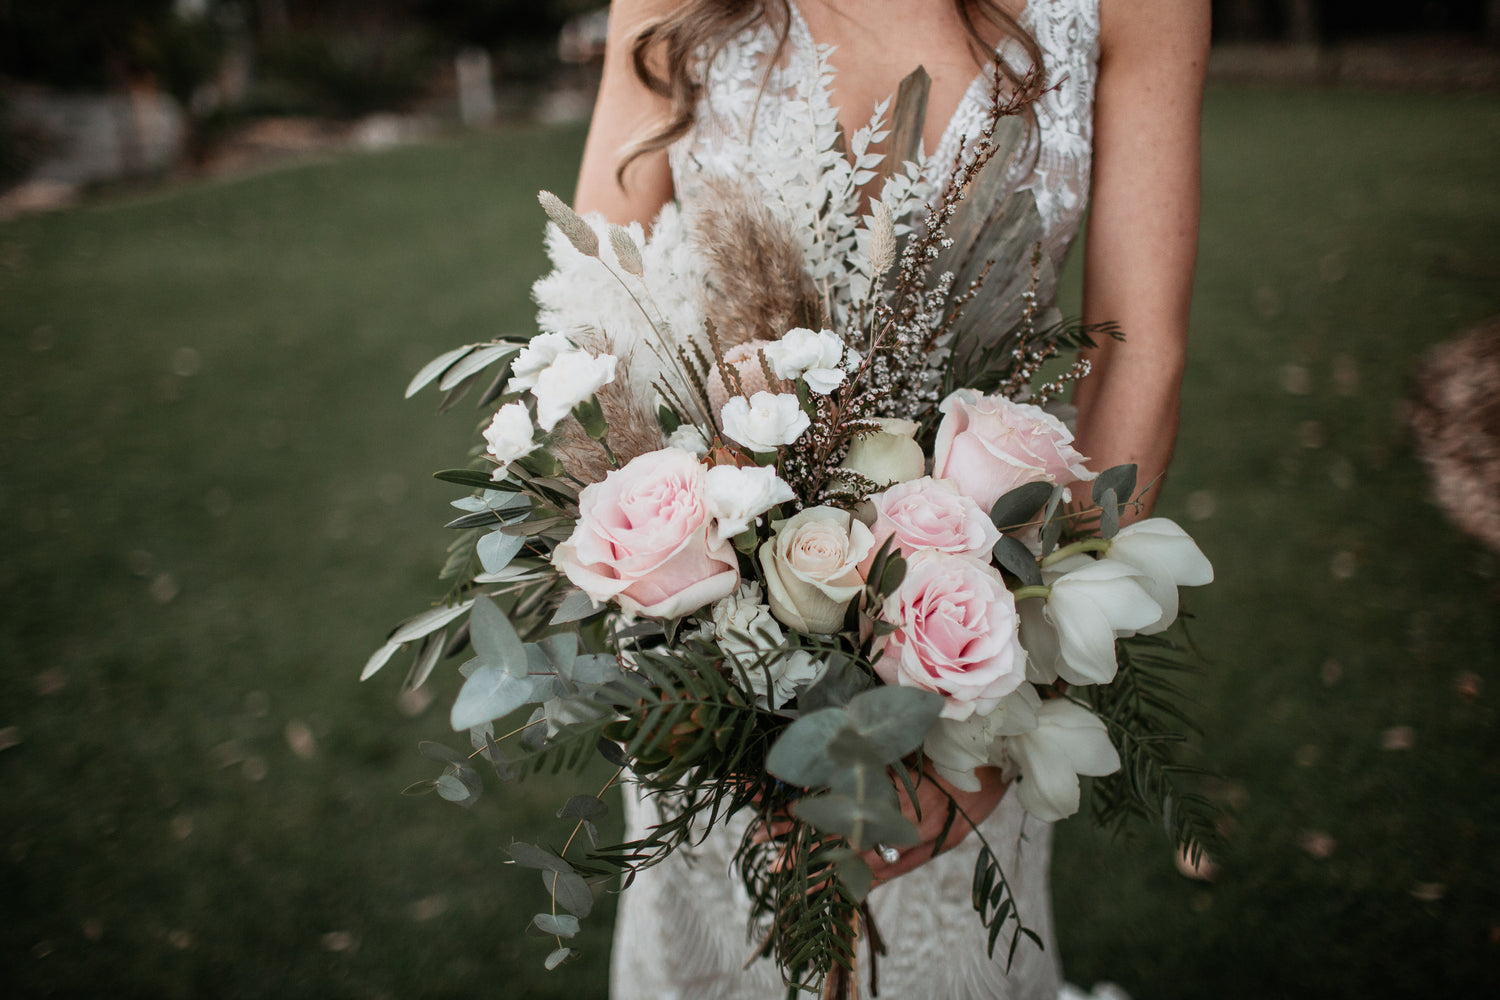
x=681 y=931
x=747 y=130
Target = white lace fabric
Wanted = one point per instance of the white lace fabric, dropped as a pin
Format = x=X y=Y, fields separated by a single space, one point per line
x=682 y=930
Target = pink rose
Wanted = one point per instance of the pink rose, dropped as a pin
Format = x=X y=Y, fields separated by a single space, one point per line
x=643 y=540
x=956 y=633
x=931 y=513
x=989 y=445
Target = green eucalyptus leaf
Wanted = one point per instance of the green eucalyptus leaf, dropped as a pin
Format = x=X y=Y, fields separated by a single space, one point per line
x=452 y=787
x=559 y=924
x=378 y=659
x=1120 y=478
x=1016 y=559
x=558 y=957
x=561 y=650
x=892 y=575
x=1050 y=534
x=855 y=873
x=1020 y=505
x=427 y=622
x=863 y=823
x=1109 y=514
x=575 y=607
x=496 y=549
x=800 y=755
x=895 y=719
x=495 y=640
x=849 y=749
x=489 y=693
x=610 y=751
x=440 y=753
x=840 y=682
x=531 y=856
x=571 y=892
x=583 y=807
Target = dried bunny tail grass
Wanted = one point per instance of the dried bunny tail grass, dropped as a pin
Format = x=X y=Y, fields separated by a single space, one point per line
x=626 y=251
x=757 y=286
x=578 y=232
x=882 y=240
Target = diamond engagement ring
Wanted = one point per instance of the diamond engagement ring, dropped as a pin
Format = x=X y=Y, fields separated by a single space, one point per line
x=887 y=853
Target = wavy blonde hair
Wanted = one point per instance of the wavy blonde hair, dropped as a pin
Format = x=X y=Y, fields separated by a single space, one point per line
x=669 y=54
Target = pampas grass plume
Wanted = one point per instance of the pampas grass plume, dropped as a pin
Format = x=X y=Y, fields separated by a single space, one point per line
x=626 y=252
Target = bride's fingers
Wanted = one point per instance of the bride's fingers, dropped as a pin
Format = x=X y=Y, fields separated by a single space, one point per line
x=773 y=830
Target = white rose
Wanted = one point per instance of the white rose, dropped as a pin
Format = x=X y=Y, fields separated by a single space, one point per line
x=1167 y=558
x=764 y=422
x=737 y=496
x=539 y=352
x=689 y=438
x=1068 y=740
x=571 y=378
x=800 y=350
x=744 y=629
x=509 y=436
x=812 y=568
x=888 y=456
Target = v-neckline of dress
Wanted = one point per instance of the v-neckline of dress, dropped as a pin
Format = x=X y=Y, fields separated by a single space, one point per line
x=975 y=93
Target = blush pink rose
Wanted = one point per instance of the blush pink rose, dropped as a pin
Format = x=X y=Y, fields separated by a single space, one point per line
x=931 y=513
x=956 y=633
x=643 y=540
x=989 y=445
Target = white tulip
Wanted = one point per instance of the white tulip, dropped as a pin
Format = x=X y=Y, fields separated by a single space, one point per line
x=957 y=747
x=765 y=421
x=571 y=378
x=1167 y=558
x=1068 y=740
x=736 y=496
x=1090 y=606
x=509 y=436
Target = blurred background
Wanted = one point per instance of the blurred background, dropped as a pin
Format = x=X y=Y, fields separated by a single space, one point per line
x=231 y=231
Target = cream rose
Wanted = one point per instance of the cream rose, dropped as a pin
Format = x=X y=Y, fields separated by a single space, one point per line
x=812 y=568
x=889 y=455
x=643 y=539
x=956 y=633
x=989 y=445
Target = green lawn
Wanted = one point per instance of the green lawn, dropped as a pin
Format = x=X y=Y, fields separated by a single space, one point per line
x=213 y=503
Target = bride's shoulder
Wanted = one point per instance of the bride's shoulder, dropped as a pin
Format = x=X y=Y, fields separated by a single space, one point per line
x=1152 y=28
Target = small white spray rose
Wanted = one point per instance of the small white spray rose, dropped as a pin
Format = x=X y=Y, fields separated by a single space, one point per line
x=571 y=378
x=534 y=358
x=745 y=630
x=765 y=421
x=509 y=436
x=735 y=496
x=689 y=438
x=890 y=455
x=810 y=355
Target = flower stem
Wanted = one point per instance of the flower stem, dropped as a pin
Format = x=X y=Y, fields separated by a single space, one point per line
x=1084 y=545
x=1022 y=593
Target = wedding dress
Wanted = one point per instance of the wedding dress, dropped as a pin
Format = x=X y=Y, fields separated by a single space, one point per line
x=681 y=932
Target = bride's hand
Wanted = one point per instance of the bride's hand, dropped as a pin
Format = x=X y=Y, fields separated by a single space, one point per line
x=933 y=797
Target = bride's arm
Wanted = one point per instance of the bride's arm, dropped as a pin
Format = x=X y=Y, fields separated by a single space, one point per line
x=624 y=112
x=1143 y=229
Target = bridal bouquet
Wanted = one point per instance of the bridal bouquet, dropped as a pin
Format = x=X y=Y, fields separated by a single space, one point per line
x=764 y=519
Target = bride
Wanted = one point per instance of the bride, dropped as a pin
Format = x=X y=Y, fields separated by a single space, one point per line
x=1117 y=127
